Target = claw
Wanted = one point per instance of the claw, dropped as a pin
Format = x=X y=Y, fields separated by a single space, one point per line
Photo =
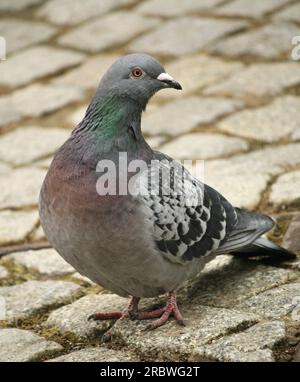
x=148 y=327
x=181 y=322
x=106 y=337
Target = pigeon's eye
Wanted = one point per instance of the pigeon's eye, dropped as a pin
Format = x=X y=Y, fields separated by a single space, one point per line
x=137 y=73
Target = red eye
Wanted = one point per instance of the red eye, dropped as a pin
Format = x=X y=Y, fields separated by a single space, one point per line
x=137 y=72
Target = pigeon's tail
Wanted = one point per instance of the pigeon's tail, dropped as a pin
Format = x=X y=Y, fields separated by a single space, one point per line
x=245 y=239
x=266 y=248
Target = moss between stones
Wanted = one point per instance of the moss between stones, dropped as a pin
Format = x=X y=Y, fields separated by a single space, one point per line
x=277 y=233
x=17 y=273
x=285 y=350
x=294 y=90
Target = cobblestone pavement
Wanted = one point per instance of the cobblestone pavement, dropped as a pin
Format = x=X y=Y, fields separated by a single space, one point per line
x=239 y=111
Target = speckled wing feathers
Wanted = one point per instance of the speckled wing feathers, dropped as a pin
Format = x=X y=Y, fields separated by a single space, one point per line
x=183 y=232
x=189 y=224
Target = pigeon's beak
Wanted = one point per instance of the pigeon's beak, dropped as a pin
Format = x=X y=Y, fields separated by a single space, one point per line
x=169 y=81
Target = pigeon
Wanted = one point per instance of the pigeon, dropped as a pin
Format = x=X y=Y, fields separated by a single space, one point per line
x=102 y=219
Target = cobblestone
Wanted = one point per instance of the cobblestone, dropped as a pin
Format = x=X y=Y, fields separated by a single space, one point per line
x=171 y=8
x=268 y=42
x=112 y=30
x=247 y=175
x=252 y=345
x=37 y=100
x=73 y=318
x=15 y=226
x=20 y=188
x=243 y=189
x=8 y=5
x=69 y=12
x=203 y=146
x=286 y=189
x=184 y=115
x=274 y=303
x=3 y=272
x=17 y=345
x=296 y=135
x=99 y=354
x=20 y=34
x=254 y=8
x=45 y=261
x=289 y=13
x=258 y=80
x=35 y=63
x=280 y=119
x=23 y=300
x=4 y=168
x=9 y=114
x=40 y=142
x=198 y=34
x=236 y=281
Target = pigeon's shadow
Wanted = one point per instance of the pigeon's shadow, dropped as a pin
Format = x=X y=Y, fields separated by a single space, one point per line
x=228 y=280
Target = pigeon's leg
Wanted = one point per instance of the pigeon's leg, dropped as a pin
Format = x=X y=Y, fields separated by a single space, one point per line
x=130 y=310
x=164 y=313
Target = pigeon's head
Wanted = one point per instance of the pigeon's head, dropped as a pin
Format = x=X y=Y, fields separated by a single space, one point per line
x=137 y=76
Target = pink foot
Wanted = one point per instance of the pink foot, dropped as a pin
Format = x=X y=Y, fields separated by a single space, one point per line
x=164 y=313
x=117 y=315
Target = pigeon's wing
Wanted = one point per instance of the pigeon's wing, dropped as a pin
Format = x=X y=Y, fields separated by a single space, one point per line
x=189 y=218
x=194 y=223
